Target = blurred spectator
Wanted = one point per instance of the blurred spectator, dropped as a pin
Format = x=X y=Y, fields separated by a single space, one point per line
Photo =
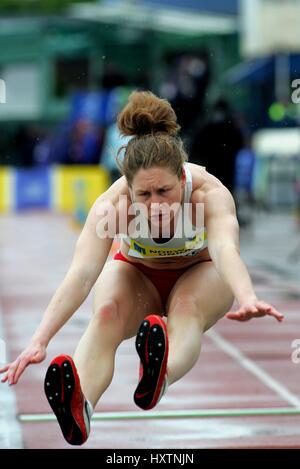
x=83 y=144
x=216 y=142
x=23 y=145
x=185 y=86
x=243 y=184
x=113 y=141
x=73 y=143
x=244 y=168
x=59 y=142
x=42 y=150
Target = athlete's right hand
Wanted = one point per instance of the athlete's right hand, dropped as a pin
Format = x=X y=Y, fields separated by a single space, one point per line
x=34 y=353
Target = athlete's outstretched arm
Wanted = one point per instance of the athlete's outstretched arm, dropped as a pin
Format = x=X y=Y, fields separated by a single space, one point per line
x=223 y=245
x=89 y=258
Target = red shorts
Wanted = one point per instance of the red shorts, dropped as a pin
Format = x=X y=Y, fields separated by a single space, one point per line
x=163 y=280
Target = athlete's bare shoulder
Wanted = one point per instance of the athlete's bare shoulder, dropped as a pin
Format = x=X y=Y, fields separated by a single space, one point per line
x=203 y=182
x=201 y=177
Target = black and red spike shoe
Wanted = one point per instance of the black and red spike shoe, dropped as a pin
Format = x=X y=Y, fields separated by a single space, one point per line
x=152 y=347
x=64 y=394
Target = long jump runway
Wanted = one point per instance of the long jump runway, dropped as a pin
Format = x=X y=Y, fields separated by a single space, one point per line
x=244 y=391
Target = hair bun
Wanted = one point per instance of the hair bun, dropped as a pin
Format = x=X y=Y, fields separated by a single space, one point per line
x=145 y=113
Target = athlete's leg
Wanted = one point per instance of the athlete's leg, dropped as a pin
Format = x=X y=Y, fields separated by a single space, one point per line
x=123 y=297
x=198 y=299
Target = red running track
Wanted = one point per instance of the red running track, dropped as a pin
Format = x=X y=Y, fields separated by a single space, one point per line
x=242 y=366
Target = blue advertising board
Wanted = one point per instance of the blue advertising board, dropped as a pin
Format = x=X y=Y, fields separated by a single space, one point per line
x=32 y=188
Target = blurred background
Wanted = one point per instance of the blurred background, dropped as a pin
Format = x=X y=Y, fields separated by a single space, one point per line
x=230 y=69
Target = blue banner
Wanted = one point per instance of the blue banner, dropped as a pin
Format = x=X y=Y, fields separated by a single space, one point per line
x=32 y=188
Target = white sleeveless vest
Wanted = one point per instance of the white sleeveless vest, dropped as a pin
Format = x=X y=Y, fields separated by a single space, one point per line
x=181 y=244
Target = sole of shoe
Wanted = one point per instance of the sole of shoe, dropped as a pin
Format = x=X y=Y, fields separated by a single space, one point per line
x=152 y=347
x=62 y=389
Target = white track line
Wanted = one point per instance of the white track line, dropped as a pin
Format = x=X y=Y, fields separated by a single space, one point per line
x=10 y=429
x=171 y=414
x=253 y=368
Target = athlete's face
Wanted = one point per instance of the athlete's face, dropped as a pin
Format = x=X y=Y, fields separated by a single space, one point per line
x=158 y=188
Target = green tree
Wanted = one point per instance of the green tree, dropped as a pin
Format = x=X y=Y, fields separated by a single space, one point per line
x=37 y=6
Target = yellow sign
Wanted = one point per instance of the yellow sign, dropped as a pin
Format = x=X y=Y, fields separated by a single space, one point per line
x=77 y=187
x=5 y=189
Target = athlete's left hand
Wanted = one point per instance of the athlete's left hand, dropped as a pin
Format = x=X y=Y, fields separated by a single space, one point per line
x=254 y=309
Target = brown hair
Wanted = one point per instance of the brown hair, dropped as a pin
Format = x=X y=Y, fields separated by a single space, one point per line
x=153 y=124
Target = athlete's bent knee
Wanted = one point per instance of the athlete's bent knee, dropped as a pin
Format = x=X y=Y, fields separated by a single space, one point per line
x=107 y=313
